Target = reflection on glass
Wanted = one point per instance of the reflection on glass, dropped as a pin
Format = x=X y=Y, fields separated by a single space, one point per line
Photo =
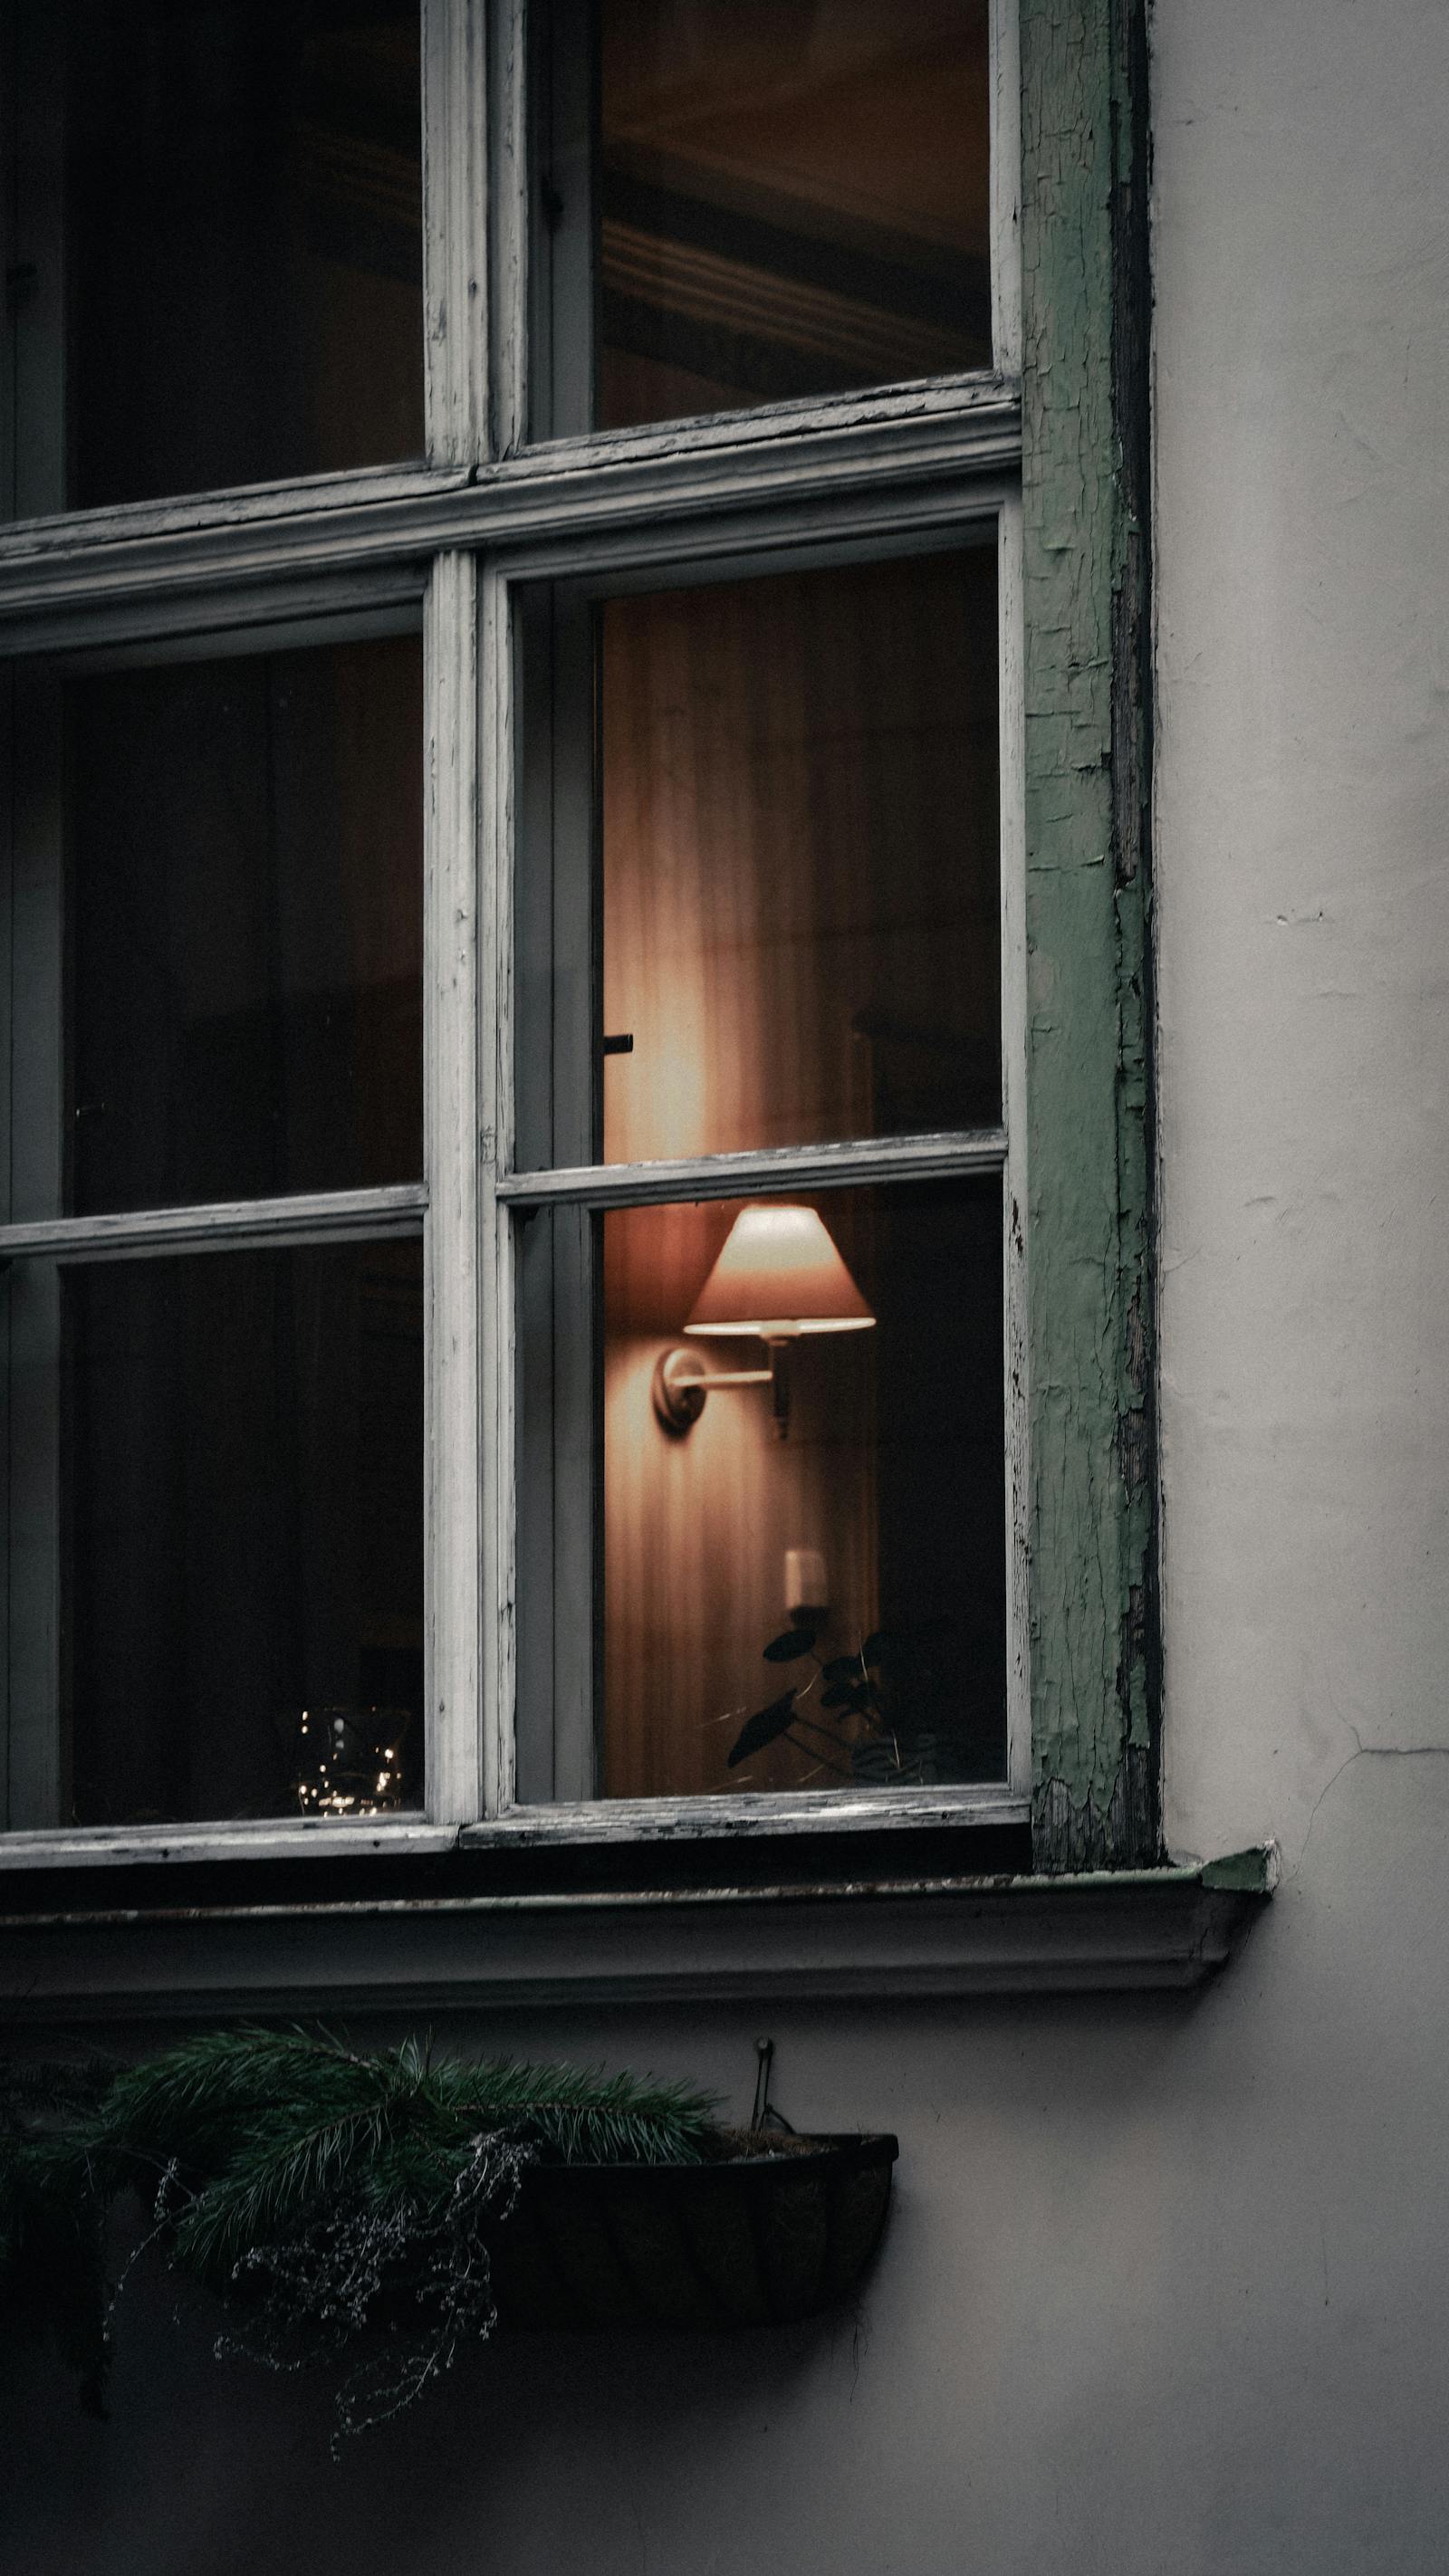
x=240 y=222
x=867 y=1544
x=243 y=1511
x=792 y=199
x=244 y=899
x=801 y=858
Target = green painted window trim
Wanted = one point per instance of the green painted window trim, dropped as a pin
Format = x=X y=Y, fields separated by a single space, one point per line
x=1086 y=513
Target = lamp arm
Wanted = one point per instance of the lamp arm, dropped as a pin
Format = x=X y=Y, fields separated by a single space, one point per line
x=681 y=1384
x=730 y=1377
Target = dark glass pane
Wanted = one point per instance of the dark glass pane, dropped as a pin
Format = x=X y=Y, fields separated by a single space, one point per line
x=244 y=901
x=881 y=1512
x=791 y=199
x=242 y=240
x=243 y=1512
x=801 y=866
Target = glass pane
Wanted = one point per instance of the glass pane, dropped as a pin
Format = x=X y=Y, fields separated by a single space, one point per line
x=801 y=865
x=853 y=1486
x=791 y=199
x=242 y=1594
x=225 y=234
x=874 y=1527
x=243 y=864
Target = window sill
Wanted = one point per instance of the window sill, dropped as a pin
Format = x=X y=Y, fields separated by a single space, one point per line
x=91 y=1847
x=613 y=1822
x=888 y=1937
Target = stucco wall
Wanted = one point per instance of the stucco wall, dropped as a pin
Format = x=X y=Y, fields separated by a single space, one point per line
x=1166 y=2283
x=1302 y=240
x=1163 y=2292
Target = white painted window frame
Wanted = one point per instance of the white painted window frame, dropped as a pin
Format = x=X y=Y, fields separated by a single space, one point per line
x=460 y=536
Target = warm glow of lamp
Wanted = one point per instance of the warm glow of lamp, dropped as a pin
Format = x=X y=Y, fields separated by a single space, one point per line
x=779 y=1277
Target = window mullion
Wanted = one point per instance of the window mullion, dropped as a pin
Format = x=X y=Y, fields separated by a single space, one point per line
x=1006 y=186
x=455 y=1093
x=36 y=1089
x=7 y=988
x=455 y=231
x=1016 y=1356
x=509 y=265
x=497 y=1302
x=34 y=145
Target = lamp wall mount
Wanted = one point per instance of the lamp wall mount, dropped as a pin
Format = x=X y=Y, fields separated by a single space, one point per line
x=681 y=1383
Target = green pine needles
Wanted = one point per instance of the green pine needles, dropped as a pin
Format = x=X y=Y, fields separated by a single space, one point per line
x=341 y=2205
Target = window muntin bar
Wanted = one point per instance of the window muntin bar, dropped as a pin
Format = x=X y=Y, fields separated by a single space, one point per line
x=337 y=1216
x=790 y=1167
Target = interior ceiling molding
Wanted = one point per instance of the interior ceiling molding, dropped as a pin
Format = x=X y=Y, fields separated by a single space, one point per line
x=652 y=284
x=812 y=240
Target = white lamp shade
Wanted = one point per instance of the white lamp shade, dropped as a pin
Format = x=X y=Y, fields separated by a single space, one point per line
x=778 y=1275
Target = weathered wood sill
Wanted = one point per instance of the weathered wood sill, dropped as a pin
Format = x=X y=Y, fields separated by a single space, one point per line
x=898 y=1937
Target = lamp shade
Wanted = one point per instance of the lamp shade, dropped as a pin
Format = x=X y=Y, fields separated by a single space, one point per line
x=779 y=1274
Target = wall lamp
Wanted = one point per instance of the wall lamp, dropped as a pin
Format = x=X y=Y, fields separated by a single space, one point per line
x=778 y=1277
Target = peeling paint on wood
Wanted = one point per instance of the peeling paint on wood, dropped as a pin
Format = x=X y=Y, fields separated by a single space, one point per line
x=1088 y=713
x=784 y=1167
x=455 y=303
x=1255 y=1872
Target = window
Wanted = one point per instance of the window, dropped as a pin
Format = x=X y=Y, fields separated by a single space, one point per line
x=577 y=1106
x=783 y=864
x=750 y=205
x=216 y=262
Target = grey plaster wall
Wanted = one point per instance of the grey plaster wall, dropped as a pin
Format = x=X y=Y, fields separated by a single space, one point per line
x=1164 y=2290
x=1302 y=244
x=1166 y=2283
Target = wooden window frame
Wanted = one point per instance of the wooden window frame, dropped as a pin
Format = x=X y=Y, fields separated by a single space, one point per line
x=1052 y=444
x=805 y=531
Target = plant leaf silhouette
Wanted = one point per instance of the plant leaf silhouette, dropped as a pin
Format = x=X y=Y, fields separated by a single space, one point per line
x=763 y=1728
x=789 y=1648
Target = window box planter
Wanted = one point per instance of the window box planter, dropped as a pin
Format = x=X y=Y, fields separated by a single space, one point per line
x=778 y=2230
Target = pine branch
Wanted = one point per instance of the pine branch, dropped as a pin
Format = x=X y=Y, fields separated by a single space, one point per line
x=302 y=2181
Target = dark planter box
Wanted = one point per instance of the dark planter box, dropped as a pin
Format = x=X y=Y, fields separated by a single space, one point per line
x=757 y=2239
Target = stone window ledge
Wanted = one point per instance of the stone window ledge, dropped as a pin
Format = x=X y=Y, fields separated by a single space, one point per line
x=890 y=1938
